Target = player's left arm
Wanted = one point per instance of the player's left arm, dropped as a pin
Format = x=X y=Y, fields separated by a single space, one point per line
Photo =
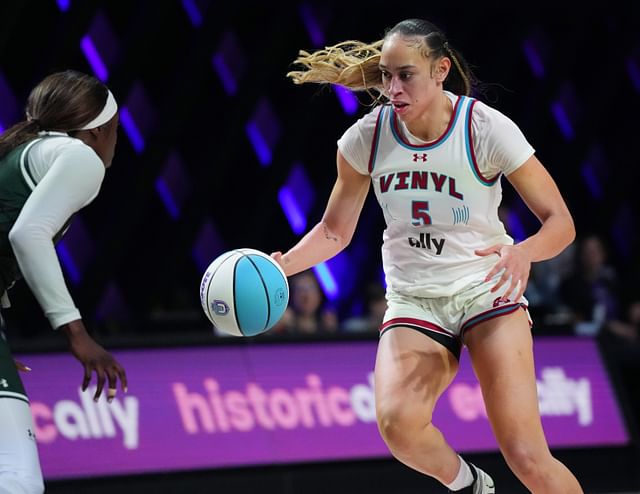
x=540 y=193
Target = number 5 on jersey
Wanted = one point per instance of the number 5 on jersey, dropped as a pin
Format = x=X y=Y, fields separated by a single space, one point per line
x=419 y=213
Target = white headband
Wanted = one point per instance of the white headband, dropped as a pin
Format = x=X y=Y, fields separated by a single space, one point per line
x=107 y=113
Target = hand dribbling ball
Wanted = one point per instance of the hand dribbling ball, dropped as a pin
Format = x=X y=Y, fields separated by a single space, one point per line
x=244 y=292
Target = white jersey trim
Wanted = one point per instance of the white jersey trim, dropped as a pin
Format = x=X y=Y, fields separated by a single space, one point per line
x=23 y=166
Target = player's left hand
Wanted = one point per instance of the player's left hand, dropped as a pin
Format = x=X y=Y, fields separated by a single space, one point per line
x=95 y=359
x=515 y=266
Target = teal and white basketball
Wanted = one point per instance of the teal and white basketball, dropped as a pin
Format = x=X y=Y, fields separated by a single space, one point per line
x=244 y=292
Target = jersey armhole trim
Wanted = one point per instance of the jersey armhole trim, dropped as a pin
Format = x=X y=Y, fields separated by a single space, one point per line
x=471 y=154
x=375 y=141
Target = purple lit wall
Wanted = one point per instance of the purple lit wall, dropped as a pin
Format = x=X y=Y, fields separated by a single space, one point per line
x=218 y=149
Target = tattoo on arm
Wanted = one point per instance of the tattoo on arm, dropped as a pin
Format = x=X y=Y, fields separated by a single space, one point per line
x=327 y=234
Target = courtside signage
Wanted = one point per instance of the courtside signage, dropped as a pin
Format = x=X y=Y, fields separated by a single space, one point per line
x=215 y=407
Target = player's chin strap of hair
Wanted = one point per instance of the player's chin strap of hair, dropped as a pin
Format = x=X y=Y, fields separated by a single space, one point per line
x=107 y=113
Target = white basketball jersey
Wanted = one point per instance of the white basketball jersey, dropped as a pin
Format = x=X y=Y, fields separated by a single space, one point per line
x=437 y=205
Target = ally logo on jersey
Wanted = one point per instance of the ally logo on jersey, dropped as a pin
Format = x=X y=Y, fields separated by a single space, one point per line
x=426 y=241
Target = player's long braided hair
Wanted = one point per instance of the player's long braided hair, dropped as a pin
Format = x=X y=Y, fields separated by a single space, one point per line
x=354 y=64
x=64 y=102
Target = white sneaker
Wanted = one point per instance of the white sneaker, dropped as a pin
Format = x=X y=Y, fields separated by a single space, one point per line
x=483 y=484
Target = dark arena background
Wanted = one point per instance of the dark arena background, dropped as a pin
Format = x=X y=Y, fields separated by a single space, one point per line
x=219 y=150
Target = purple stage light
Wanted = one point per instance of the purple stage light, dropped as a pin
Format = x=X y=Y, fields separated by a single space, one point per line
x=112 y=305
x=327 y=280
x=138 y=116
x=131 y=129
x=173 y=185
x=227 y=79
x=93 y=57
x=167 y=198
x=192 y=10
x=67 y=261
x=347 y=99
x=515 y=226
x=296 y=198
x=562 y=119
x=9 y=109
x=589 y=177
x=63 y=5
x=229 y=63
x=292 y=211
x=100 y=46
x=567 y=110
x=634 y=72
x=75 y=250
x=594 y=171
x=533 y=57
x=312 y=24
x=259 y=145
x=208 y=245
x=263 y=130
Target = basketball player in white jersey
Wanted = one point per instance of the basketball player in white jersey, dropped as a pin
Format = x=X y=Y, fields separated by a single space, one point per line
x=51 y=165
x=454 y=277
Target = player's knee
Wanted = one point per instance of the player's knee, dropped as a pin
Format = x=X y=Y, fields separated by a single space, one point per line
x=399 y=426
x=525 y=461
x=13 y=483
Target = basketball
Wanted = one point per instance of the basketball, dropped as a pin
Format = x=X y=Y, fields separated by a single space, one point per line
x=244 y=292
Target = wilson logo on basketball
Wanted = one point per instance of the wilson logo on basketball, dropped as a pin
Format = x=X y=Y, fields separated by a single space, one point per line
x=220 y=307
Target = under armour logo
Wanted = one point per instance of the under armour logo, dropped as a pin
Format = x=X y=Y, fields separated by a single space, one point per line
x=4 y=383
x=422 y=157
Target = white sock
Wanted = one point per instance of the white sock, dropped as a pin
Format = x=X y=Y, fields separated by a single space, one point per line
x=463 y=479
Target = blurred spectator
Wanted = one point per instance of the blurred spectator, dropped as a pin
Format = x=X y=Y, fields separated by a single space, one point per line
x=623 y=336
x=375 y=307
x=620 y=344
x=591 y=291
x=307 y=313
x=543 y=289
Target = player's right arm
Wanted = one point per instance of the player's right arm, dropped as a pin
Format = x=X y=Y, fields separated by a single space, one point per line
x=334 y=232
x=73 y=180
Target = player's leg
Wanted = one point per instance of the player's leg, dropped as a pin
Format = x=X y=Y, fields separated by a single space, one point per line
x=412 y=370
x=19 y=464
x=501 y=350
